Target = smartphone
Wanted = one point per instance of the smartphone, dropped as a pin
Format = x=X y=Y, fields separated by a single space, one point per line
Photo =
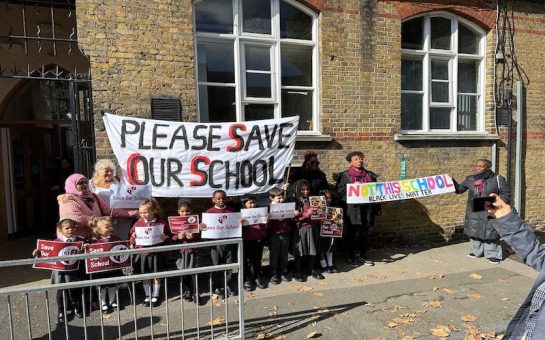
x=483 y=203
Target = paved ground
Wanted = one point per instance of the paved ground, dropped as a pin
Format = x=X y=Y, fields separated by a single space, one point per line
x=410 y=293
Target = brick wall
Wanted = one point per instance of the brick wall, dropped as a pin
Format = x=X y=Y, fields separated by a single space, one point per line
x=143 y=48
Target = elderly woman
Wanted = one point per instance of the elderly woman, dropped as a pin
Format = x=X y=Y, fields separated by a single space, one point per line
x=311 y=172
x=80 y=204
x=105 y=184
x=483 y=238
x=358 y=217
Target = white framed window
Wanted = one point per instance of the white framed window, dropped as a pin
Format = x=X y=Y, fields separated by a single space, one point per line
x=442 y=75
x=256 y=59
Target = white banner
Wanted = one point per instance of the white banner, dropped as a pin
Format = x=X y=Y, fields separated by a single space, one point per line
x=130 y=196
x=148 y=236
x=281 y=211
x=220 y=225
x=398 y=190
x=180 y=159
x=254 y=216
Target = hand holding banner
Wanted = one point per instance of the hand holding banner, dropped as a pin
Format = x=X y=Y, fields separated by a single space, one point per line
x=281 y=211
x=254 y=216
x=184 y=224
x=221 y=225
x=103 y=264
x=148 y=236
x=58 y=248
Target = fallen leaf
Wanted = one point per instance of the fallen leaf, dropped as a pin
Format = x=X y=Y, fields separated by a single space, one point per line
x=252 y=295
x=324 y=310
x=391 y=324
x=432 y=304
x=435 y=276
x=214 y=296
x=401 y=321
x=408 y=338
x=448 y=290
x=468 y=318
x=475 y=276
x=323 y=283
x=318 y=294
x=261 y=336
x=474 y=296
x=280 y=337
x=435 y=289
x=441 y=331
x=489 y=334
x=107 y=316
x=163 y=324
x=303 y=288
x=505 y=299
x=216 y=321
x=313 y=334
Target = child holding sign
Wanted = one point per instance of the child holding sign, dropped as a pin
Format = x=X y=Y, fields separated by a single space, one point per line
x=66 y=299
x=279 y=240
x=148 y=231
x=102 y=231
x=327 y=244
x=253 y=236
x=306 y=237
x=189 y=257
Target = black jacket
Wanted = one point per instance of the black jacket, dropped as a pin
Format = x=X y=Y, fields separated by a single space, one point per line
x=356 y=214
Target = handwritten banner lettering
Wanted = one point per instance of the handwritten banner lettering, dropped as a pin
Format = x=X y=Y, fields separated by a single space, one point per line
x=281 y=211
x=254 y=216
x=398 y=190
x=148 y=236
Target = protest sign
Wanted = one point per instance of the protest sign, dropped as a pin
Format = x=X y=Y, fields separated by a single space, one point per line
x=184 y=224
x=281 y=211
x=357 y=193
x=221 y=225
x=58 y=248
x=148 y=236
x=130 y=196
x=318 y=205
x=254 y=216
x=332 y=225
x=107 y=263
x=181 y=159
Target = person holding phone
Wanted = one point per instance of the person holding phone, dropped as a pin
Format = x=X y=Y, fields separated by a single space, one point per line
x=484 y=240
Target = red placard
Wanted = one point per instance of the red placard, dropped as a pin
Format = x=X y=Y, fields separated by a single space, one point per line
x=184 y=224
x=107 y=263
x=58 y=248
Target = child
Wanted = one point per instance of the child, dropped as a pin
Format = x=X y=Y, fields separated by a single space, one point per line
x=253 y=237
x=102 y=231
x=327 y=244
x=306 y=237
x=66 y=230
x=224 y=254
x=189 y=257
x=150 y=263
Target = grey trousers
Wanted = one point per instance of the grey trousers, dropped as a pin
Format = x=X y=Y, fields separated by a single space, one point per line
x=488 y=249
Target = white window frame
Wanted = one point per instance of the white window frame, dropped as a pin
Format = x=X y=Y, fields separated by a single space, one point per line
x=273 y=40
x=428 y=54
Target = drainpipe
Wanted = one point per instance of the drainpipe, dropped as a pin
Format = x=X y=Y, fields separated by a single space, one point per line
x=518 y=160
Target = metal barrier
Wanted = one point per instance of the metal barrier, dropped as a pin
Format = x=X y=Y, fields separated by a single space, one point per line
x=28 y=309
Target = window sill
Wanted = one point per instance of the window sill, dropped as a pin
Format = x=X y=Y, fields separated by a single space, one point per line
x=437 y=136
x=313 y=138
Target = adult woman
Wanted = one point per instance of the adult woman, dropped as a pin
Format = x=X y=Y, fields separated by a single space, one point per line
x=483 y=238
x=105 y=184
x=311 y=172
x=80 y=204
x=358 y=217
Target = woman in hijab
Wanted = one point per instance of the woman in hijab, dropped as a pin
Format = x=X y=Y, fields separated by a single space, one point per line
x=80 y=204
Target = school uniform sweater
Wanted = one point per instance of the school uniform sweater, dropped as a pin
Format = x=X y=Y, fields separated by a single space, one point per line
x=143 y=223
x=279 y=227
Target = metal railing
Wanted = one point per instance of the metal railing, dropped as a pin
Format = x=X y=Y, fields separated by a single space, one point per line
x=28 y=309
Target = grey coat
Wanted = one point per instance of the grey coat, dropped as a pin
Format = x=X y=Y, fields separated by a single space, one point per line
x=524 y=242
x=477 y=224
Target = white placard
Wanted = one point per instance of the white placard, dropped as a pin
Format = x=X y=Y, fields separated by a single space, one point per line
x=148 y=236
x=281 y=211
x=254 y=215
x=130 y=196
x=221 y=225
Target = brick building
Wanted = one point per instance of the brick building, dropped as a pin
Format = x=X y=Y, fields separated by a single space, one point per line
x=418 y=82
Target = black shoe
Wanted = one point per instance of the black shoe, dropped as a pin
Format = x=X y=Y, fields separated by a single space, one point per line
x=147 y=301
x=332 y=269
x=299 y=277
x=195 y=298
x=494 y=260
x=106 y=309
x=473 y=256
x=232 y=291
x=276 y=280
x=61 y=319
x=187 y=295
x=365 y=262
x=78 y=313
x=261 y=283
x=325 y=270
x=353 y=262
x=249 y=286
x=155 y=301
x=317 y=275
x=220 y=293
x=286 y=277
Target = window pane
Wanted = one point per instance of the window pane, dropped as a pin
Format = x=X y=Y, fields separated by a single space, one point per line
x=258 y=85
x=468 y=40
x=257 y=58
x=296 y=62
x=298 y=103
x=214 y=16
x=411 y=111
x=217 y=104
x=411 y=74
x=215 y=62
x=468 y=71
x=439 y=92
x=256 y=16
x=440 y=33
x=439 y=118
x=439 y=69
x=467 y=112
x=294 y=23
x=257 y=112
x=412 y=34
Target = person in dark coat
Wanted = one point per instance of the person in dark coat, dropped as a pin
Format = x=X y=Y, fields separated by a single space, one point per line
x=311 y=172
x=358 y=217
x=529 y=321
x=483 y=238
